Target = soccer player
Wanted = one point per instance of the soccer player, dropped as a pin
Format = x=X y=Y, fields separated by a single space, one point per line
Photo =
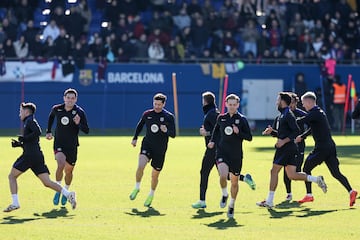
x=324 y=149
x=232 y=128
x=301 y=145
x=285 y=130
x=32 y=157
x=70 y=118
x=208 y=162
x=160 y=125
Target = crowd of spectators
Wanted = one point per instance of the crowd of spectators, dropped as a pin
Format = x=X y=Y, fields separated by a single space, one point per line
x=267 y=31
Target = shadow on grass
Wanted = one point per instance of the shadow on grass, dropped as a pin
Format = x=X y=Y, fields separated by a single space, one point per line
x=310 y=213
x=55 y=213
x=14 y=220
x=150 y=212
x=223 y=224
x=279 y=214
x=287 y=204
x=201 y=213
x=303 y=213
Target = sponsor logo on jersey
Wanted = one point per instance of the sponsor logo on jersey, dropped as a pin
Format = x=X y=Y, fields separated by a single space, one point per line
x=64 y=120
x=228 y=130
x=154 y=128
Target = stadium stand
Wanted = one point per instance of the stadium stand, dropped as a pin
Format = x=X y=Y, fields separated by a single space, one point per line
x=251 y=30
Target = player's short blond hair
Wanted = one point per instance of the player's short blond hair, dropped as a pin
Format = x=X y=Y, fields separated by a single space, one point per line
x=232 y=97
x=310 y=95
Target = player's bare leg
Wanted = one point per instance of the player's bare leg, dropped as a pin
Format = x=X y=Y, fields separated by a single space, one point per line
x=45 y=179
x=143 y=160
x=154 y=182
x=274 y=178
x=61 y=161
x=14 y=174
x=234 y=191
x=223 y=170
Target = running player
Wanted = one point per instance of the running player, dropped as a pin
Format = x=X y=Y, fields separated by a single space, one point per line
x=300 y=146
x=232 y=129
x=160 y=125
x=208 y=162
x=70 y=118
x=32 y=157
x=285 y=130
x=325 y=148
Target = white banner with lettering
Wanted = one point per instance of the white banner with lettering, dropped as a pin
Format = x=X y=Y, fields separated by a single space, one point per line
x=33 y=72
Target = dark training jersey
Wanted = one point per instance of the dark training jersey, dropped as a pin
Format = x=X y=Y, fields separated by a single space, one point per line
x=298 y=114
x=32 y=132
x=154 y=136
x=66 y=131
x=229 y=141
x=285 y=125
x=319 y=126
x=210 y=115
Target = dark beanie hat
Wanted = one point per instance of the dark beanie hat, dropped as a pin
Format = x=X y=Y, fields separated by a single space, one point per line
x=285 y=97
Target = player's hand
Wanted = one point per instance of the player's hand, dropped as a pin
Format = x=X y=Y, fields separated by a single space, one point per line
x=163 y=128
x=133 y=142
x=211 y=145
x=267 y=130
x=77 y=119
x=298 y=139
x=235 y=129
x=281 y=142
x=15 y=143
x=49 y=136
x=202 y=131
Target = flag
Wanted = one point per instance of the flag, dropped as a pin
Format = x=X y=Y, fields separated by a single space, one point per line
x=352 y=90
x=231 y=67
x=218 y=70
x=53 y=70
x=205 y=68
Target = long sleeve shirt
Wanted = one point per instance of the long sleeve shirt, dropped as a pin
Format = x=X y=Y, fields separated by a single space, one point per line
x=154 y=136
x=319 y=126
x=285 y=125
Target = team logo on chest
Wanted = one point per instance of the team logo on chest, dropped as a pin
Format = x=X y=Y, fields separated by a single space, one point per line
x=65 y=120
x=237 y=121
x=154 y=128
x=73 y=112
x=228 y=130
x=162 y=119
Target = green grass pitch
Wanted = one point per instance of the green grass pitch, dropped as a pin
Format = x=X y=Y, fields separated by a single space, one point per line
x=104 y=178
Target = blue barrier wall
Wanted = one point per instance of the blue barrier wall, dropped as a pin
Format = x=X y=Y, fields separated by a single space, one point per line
x=127 y=91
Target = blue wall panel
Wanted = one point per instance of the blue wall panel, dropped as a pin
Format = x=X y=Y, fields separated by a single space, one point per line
x=112 y=104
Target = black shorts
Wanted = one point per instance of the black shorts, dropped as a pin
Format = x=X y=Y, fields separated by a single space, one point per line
x=156 y=156
x=286 y=155
x=70 y=154
x=35 y=162
x=317 y=156
x=233 y=160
